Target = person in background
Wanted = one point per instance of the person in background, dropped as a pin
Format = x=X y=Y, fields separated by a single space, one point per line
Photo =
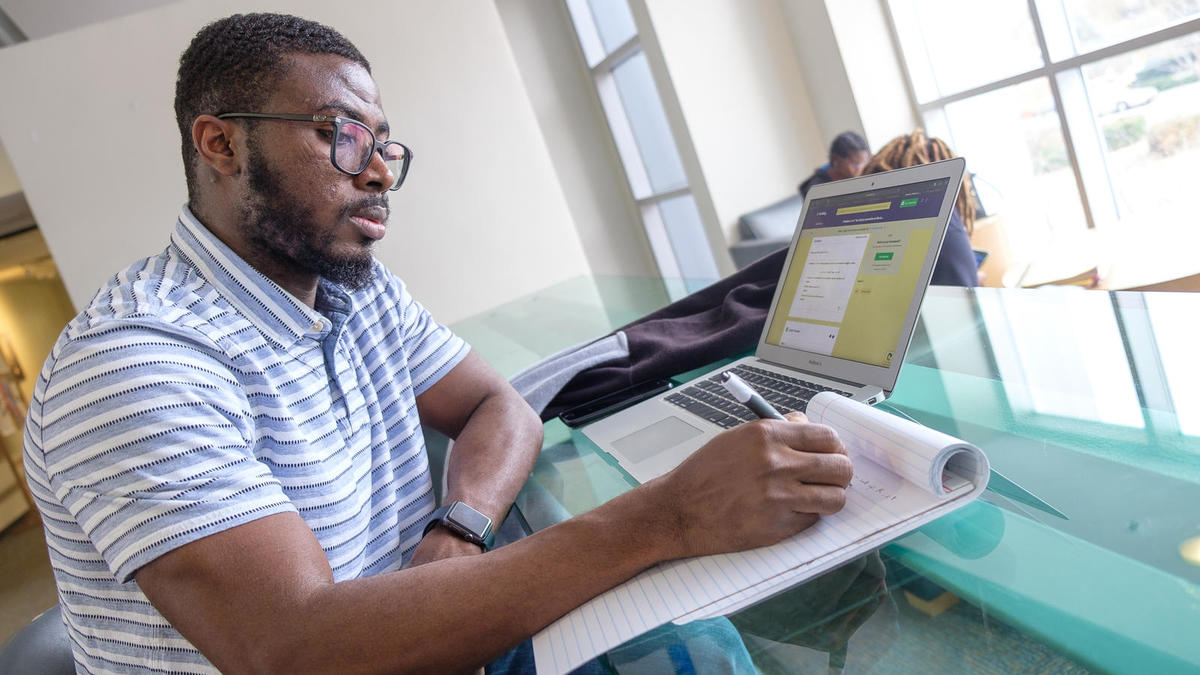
x=956 y=264
x=847 y=155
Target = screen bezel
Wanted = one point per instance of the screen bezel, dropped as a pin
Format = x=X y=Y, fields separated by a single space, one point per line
x=846 y=370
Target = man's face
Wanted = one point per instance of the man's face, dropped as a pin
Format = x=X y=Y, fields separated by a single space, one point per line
x=298 y=213
x=848 y=166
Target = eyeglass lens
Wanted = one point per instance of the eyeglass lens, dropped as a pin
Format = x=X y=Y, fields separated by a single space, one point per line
x=354 y=145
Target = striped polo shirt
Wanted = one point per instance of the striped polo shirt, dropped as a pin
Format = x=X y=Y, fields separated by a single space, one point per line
x=193 y=395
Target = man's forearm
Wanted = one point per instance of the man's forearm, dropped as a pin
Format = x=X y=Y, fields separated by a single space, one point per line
x=493 y=455
x=280 y=610
x=486 y=604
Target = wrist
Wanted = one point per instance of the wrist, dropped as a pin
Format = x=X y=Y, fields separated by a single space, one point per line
x=442 y=539
x=651 y=522
x=462 y=520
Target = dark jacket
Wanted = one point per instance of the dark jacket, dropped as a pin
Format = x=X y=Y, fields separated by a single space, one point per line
x=956 y=264
x=821 y=175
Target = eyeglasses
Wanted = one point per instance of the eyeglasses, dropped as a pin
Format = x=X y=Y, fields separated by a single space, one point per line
x=352 y=146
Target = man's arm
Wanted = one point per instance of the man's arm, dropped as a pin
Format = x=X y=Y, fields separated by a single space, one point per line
x=260 y=597
x=497 y=437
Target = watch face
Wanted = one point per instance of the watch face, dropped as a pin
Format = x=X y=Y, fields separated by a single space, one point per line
x=469 y=519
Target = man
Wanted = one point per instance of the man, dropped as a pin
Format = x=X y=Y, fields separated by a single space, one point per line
x=848 y=154
x=226 y=448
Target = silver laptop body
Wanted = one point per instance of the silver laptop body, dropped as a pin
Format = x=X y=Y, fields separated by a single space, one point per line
x=842 y=316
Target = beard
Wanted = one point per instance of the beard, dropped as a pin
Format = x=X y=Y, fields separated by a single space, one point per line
x=282 y=232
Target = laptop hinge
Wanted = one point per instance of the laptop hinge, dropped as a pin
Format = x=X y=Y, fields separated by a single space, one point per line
x=812 y=374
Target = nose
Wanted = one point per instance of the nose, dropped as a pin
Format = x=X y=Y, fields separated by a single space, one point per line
x=377 y=177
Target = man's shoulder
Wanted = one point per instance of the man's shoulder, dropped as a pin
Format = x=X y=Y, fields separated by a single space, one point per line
x=158 y=293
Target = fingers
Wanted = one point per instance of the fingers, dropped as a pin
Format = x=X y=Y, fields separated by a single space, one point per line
x=812 y=468
x=808 y=437
x=802 y=521
x=808 y=453
x=796 y=416
x=819 y=499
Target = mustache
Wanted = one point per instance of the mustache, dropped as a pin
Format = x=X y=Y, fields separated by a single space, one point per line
x=374 y=201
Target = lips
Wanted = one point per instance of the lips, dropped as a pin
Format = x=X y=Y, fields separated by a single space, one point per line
x=370 y=221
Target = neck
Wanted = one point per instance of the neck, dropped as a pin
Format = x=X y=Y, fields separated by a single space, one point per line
x=225 y=226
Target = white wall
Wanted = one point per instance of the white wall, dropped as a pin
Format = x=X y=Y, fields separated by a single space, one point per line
x=568 y=110
x=87 y=119
x=871 y=60
x=852 y=66
x=8 y=175
x=815 y=48
x=743 y=97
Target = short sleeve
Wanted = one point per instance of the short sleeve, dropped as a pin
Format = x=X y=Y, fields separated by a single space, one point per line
x=147 y=438
x=432 y=349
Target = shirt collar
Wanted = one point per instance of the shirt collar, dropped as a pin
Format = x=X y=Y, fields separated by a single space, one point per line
x=279 y=315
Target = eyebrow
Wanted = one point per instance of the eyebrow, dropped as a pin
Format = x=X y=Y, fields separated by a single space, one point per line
x=345 y=111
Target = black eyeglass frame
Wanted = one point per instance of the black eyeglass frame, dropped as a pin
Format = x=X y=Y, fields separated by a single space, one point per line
x=338 y=122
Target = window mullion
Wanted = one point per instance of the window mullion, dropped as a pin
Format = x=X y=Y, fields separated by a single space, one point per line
x=1068 y=139
x=663 y=196
x=618 y=55
x=1050 y=70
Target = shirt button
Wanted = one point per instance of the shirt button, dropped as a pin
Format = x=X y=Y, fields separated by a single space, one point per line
x=318 y=326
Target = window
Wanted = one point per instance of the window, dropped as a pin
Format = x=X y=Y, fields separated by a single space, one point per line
x=1076 y=116
x=608 y=35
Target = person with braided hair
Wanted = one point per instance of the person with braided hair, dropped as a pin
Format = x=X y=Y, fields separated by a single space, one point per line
x=956 y=264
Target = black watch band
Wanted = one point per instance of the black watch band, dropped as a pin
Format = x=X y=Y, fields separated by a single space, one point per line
x=464 y=522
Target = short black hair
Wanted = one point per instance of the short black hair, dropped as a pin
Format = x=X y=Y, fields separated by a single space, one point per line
x=846 y=143
x=231 y=63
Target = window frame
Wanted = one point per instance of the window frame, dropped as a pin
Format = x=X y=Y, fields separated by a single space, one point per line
x=1082 y=136
x=645 y=199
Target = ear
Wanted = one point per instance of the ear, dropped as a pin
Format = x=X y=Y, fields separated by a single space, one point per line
x=214 y=141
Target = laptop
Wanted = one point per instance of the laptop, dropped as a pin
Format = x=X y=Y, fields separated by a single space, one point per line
x=841 y=319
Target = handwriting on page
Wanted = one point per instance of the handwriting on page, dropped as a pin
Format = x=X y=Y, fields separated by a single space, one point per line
x=880 y=491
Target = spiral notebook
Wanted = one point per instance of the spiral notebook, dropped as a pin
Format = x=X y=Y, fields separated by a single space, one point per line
x=905 y=475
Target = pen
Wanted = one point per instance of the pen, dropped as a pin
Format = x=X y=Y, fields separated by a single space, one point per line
x=746 y=395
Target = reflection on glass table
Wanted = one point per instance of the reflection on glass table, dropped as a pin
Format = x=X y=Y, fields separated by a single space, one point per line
x=1085 y=399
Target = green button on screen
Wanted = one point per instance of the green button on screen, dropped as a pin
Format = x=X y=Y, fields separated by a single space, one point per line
x=911 y=201
x=886 y=255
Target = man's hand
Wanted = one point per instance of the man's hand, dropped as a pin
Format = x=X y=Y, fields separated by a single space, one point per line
x=441 y=543
x=755 y=485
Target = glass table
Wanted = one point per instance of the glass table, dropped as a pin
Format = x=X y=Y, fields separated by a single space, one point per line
x=1084 y=552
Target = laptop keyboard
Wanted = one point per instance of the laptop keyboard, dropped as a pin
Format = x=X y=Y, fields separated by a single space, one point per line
x=709 y=400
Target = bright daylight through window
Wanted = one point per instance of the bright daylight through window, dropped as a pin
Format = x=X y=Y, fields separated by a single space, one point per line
x=1079 y=118
x=632 y=103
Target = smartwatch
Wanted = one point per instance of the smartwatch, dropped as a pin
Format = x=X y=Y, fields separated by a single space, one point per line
x=465 y=522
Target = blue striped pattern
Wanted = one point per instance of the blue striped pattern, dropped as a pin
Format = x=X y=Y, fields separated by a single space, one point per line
x=194 y=395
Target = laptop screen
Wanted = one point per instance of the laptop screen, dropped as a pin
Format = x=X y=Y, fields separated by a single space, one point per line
x=854 y=272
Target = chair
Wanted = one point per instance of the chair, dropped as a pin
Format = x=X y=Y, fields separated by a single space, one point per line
x=42 y=646
x=766 y=230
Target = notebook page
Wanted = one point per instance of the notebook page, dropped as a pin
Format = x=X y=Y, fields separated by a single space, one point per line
x=902 y=520
x=684 y=590
x=913 y=451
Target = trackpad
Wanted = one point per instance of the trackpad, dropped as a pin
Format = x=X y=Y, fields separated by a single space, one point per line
x=655 y=438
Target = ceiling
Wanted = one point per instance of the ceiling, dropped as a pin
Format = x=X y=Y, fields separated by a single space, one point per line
x=40 y=18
